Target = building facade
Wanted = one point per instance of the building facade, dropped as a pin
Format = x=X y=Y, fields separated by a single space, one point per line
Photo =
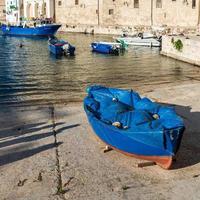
x=13 y=10
x=2 y=11
x=106 y=13
x=128 y=13
x=17 y=10
x=184 y=13
x=77 y=12
x=39 y=9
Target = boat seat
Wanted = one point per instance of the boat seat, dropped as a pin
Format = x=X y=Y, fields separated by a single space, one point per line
x=91 y=104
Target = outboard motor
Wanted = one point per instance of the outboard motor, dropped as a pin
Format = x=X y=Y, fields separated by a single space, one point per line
x=160 y=38
x=68 y=49
x=140 y=35
x=115 y=50
x=65 y=48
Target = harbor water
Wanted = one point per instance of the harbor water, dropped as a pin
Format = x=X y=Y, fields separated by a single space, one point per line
x=30 y=74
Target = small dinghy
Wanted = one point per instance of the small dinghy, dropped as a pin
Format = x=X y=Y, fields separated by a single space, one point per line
x=108 y=47
x=143 y=39
x=133 y=125
x=60 y=47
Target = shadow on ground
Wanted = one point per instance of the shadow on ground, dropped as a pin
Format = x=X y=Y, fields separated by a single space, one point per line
x=189 y=151
x=19 y=142
x=30 y=128
x=188 y=155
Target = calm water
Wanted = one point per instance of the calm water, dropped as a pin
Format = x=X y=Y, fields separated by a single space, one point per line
x=32 y=74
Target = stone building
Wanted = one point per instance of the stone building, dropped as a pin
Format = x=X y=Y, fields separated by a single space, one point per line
x=2 y=11
x=77 y=12
x=102 y=15
x=183 y=13
x=127 y=13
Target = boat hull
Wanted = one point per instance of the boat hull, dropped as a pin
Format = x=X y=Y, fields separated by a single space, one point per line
x=104 y=48
x=163 y=161
x=45 y=30
x=130 y=128
x=60 y=47
x=129 y=147
x=149 y=42
x=55 y=50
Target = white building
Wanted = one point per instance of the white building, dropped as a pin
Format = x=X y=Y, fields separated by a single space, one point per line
x=14 y=9
x=39 y=9
x=28 y=9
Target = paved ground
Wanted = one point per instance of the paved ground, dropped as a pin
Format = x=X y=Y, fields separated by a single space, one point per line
x=50 y=152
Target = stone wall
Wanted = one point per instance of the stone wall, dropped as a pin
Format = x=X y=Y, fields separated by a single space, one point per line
x=85 y=13
x=126 y=14
x=190 y=51
x=176 y=13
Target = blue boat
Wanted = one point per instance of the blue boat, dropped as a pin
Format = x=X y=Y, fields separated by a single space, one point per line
x=133 y=125
x=60 y=47
x=106 y=47
x=42 y=30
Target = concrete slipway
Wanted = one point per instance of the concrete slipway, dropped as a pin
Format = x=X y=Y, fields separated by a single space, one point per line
x=50 y=152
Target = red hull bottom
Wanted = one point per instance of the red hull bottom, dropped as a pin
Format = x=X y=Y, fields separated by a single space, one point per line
x=163 y=161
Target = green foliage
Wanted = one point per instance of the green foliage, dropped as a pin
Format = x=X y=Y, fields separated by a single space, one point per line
x=178 y=44
x=12 y=7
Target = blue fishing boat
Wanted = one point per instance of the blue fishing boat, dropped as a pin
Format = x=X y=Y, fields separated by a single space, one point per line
x=60 y=47
x=106 y=47
x=42 y=30
x=133 y=125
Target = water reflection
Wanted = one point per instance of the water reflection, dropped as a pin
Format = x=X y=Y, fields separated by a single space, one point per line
x=31 y=73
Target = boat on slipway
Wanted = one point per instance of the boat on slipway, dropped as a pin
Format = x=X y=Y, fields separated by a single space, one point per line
x=133 y=125
x=108 y=47
x=36 y=29
x=142 y=39
x=60 y=47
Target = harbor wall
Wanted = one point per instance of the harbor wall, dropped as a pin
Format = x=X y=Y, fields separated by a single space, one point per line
x=189 y=52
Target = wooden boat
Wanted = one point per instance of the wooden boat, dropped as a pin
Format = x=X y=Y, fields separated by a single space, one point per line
x=133 y=125
x=42 y=29
x=142 y=39
x=107 y=47
x=60 y=47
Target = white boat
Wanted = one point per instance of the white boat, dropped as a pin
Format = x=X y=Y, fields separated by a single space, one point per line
x=145 y=39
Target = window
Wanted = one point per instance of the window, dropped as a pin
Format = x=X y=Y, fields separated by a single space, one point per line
x=59 y=3
x=136 y=3
x=193 y=4
x=158 y=3
x=111 y=11
x=76 y=2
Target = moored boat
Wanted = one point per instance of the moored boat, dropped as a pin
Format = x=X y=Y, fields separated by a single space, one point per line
x=60 y=47
x=107 y=47
x=142 y=39
x=133 y=125
x=40 y=30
